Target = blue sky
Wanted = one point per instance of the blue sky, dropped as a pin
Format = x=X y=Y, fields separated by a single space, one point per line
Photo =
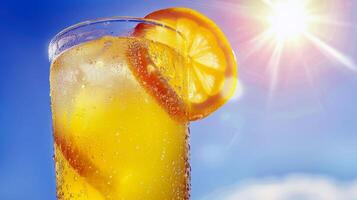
x=300 y=128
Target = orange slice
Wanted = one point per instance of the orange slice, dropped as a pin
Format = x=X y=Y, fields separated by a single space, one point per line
x=142 y=64
x=81 y=163
x=211 y=68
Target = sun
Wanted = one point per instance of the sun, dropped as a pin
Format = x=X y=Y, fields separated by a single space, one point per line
x=291 y=26
x=288 y=20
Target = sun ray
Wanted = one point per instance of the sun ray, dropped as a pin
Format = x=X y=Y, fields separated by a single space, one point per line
x=325 y=20
x=273 y=67
x=257 y=43
x=311 y=81
x=268 y=2
x=324 y=47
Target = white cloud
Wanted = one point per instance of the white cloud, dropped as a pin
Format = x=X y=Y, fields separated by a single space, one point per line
x=293 y=187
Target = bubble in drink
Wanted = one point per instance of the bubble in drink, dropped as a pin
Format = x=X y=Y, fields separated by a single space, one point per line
x=113 y=139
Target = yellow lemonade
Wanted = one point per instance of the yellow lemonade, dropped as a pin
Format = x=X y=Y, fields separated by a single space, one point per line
x=113 y=138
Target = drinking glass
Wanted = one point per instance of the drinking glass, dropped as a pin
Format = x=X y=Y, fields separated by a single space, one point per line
x=115 y=137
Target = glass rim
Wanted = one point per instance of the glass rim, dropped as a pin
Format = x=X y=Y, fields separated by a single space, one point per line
x=112 y=19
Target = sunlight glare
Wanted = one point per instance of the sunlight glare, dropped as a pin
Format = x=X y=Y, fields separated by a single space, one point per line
x=288 y=20
x=290 y=27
